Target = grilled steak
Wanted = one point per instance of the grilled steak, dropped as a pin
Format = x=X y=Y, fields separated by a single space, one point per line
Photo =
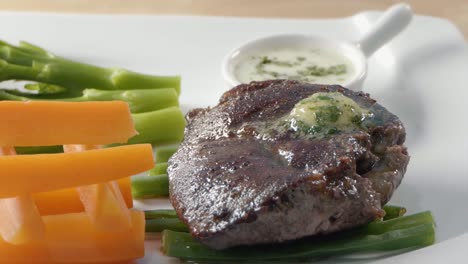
x=280 y=160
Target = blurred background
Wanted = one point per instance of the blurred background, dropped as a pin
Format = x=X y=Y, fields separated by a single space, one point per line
x=454 y=10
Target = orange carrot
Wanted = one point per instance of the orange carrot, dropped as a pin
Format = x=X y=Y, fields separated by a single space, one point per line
x=40 y=123
x=48 y=172
x=20 y=221
x=103 y=202
x=71 y=238
x=68 y=201
x=58 y=202
x=105 y=207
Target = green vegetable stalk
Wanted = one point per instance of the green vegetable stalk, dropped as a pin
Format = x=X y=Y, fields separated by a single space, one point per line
x=156 y=183
x=29 y=62
x=159 y=127
x=159 y=168
x=392 y=211
x=158 y=225
x=377 y=227
x=145 y=186
x=160 y=213
x=399 y=233
x=182 y=245
x=139 y=100
x=164 y=153
x=165 y=219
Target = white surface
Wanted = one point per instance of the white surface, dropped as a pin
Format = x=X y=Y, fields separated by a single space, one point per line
x=422 y=76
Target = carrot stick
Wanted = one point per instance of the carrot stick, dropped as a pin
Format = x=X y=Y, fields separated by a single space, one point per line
x=48 y=172
x=20 y=221
x=103 y=202
x=41 y=123
x=68 y=201
x=72 y=238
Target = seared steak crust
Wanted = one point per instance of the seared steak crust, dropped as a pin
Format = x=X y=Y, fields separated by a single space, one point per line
x=234 y=186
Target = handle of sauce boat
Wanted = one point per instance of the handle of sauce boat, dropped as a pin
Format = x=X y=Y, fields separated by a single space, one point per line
x=390 y=24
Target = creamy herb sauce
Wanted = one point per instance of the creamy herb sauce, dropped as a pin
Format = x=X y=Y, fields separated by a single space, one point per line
x=310 y=65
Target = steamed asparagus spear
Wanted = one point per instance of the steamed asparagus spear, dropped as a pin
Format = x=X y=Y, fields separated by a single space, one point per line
x=29 y=62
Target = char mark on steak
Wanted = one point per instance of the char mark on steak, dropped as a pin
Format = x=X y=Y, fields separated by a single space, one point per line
x=241 y=178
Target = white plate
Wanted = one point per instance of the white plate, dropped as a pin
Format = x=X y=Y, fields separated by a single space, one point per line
x=422 y=76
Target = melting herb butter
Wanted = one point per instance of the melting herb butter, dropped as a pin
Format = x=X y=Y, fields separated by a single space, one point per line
x=317 y=116
x=326 y=113
x=310 y=65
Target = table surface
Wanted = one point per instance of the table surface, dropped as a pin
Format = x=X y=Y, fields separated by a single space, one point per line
x=454 y=10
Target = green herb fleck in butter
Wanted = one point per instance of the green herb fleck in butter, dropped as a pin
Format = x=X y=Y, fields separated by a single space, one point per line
x=326 y=113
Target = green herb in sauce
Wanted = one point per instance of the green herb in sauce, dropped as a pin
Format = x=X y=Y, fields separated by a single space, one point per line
x=323 y=71
x=301 y=75
x=304 y=64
